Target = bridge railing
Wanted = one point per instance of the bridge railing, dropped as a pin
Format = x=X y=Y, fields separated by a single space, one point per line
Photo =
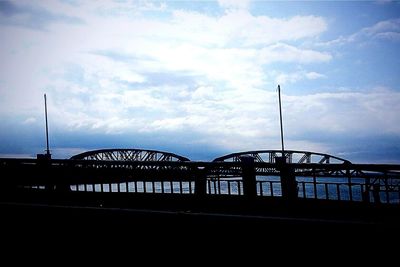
x=337 y=182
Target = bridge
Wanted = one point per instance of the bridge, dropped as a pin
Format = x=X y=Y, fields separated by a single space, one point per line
x=317 y=175
x=259 y=186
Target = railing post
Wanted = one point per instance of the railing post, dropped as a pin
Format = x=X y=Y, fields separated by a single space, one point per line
x=200 y=182
x=61 y=183
x=376 y=193
x=249 y=176
x=288 y=179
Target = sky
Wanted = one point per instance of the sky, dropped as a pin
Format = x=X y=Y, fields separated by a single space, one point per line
x=199 y=78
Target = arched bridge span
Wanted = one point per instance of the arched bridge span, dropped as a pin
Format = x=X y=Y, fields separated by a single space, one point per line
x=129 y=155
x=292 y=156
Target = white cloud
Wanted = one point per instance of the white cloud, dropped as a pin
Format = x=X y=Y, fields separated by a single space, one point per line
x=349 y=112
x=124 y=74
x=105 y=8
x=189 y=42
x=234 y=4
x=203 y=92
x=241 y=120
x=30 y=120
x=314 y=75
x=285 y=53
x=241 y=28
x=101 y=76
x=285 y=78
x=388 y=30
x=265 y=30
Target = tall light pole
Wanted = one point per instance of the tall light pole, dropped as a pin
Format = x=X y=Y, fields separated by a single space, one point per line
x=280 y=116
x=287 y=175
x=47 y=127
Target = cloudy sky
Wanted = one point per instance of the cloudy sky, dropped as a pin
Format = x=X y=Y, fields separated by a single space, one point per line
x=199 y=78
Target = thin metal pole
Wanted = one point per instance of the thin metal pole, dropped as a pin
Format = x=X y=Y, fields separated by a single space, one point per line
x=47 y=127
x=280 y=115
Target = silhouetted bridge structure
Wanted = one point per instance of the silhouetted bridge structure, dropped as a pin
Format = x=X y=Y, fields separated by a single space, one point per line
x=258 y=186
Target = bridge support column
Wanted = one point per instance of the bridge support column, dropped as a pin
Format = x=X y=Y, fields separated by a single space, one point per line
x=43 y=169
x=249 y=176
x=200 y=182
x=288 y=179
x=366 y=193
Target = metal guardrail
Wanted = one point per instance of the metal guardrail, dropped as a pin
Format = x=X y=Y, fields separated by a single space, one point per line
x=379 y=183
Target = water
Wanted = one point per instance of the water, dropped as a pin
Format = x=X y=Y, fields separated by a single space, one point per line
x=182 y=187
x=324 y=188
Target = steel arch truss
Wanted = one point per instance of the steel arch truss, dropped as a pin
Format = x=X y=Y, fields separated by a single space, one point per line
x=265 y=161
x=292 y=156
x=129 y=155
